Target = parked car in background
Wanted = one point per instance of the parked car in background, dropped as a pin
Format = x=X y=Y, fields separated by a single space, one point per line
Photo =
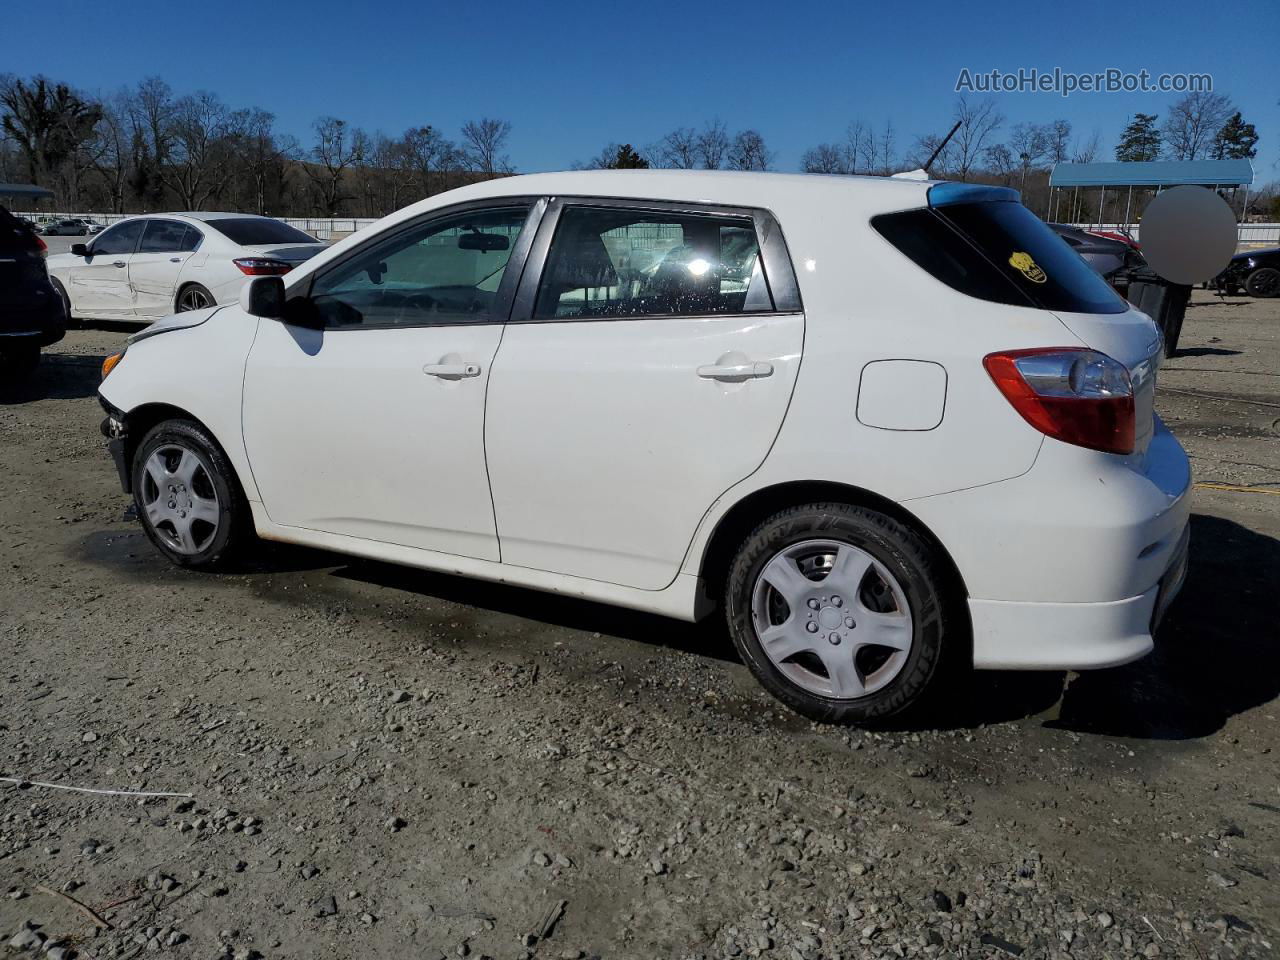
x=1111 y=256
x=890 y=428
x=1256 y=272
x=71 y=227
x=147 y=267
x=31 y=313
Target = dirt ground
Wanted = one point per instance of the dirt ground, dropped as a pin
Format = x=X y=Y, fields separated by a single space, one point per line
x=388 y=763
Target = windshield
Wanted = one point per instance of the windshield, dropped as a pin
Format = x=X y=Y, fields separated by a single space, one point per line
x=250 y=231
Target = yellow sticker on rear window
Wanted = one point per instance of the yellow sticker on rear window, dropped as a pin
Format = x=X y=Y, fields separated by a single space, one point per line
x=1030 y=269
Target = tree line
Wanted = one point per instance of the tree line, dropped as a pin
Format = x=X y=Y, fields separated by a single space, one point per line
x=147 y=148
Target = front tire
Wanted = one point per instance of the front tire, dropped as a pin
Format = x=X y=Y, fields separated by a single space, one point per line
x=1263 y=282
x=61 y=291
x=188 y=498
x=839 y=611
x=193 y=297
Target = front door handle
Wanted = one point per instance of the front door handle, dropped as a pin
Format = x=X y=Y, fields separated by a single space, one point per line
x=118 y=263
x=452 y=371
x=735 y=372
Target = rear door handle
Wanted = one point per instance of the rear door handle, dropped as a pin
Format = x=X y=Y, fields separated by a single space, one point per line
x=735 y=371
x=452 y=371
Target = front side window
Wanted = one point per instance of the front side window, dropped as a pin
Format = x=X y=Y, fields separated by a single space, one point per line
x=163 y=236
x=119 y=240
x=445 y=271
x=618 y=263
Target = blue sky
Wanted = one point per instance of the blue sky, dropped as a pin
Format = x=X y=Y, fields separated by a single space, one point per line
x=572 y=76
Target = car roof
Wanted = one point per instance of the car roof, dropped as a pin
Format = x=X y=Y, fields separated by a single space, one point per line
x=727 y=187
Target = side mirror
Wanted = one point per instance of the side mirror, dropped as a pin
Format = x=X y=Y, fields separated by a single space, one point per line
x=80 y=249
x=263 y=297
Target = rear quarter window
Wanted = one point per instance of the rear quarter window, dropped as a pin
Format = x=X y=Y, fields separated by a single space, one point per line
x=999 y=251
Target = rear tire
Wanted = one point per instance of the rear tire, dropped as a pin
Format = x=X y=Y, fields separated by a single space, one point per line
x=192 y=297
x=1263 y=282
x=188 y=497
x=840 y=612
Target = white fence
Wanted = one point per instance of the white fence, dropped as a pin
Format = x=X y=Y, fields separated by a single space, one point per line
x=323 y=228
x=1249 y=235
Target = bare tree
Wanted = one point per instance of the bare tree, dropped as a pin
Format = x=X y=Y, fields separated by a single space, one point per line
x=485 y=139
x=1193 y=122
x=883 y=157
x=1086 y=151
x=1059 y=134
x=109 y=151
x=1001 y=162
x=748 y=152
x=1028 y=146
x=856 y=150
x=825 y=158
x=200 y=161
x=677 y=150
x=713 y=145
x=978 y=121
x=333 y=153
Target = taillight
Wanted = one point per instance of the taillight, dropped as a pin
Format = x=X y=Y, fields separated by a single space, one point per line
x=1072 y=394
x=40 y=244
x=262 y=266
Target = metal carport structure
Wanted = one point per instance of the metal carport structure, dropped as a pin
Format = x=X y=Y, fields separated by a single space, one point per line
x=1156 y=174
x=24 y=191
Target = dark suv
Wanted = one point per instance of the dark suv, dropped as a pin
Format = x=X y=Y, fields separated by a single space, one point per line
x=31 y=313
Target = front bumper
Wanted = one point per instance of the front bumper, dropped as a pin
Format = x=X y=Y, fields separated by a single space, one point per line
x=114 y=429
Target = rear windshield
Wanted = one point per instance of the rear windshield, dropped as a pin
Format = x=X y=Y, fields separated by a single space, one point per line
x=249 y=231
x=999 y=251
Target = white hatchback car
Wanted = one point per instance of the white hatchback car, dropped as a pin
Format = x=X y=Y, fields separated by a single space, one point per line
x=144 y=268
x=889 y=427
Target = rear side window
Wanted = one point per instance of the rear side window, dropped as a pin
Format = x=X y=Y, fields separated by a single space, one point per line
x=250 y=231
x=619 y=263
x=999 y=251
x=163 y=236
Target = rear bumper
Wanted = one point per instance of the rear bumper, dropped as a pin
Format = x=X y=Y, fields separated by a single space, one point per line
x=1071 y=565
x=1074 y=636
x=39 y=325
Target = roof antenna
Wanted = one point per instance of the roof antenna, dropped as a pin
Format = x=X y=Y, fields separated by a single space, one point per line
x=942 y=146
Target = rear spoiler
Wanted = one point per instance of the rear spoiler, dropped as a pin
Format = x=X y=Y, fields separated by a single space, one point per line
x=948 y=193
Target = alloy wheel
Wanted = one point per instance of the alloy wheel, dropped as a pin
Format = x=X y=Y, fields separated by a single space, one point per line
x=193 y=298
x=179 y=498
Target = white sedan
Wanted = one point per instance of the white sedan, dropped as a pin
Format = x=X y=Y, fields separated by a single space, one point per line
x=144 y=268
x=892 y=429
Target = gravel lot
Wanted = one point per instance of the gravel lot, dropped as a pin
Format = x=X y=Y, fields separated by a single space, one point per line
x=388 y=763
